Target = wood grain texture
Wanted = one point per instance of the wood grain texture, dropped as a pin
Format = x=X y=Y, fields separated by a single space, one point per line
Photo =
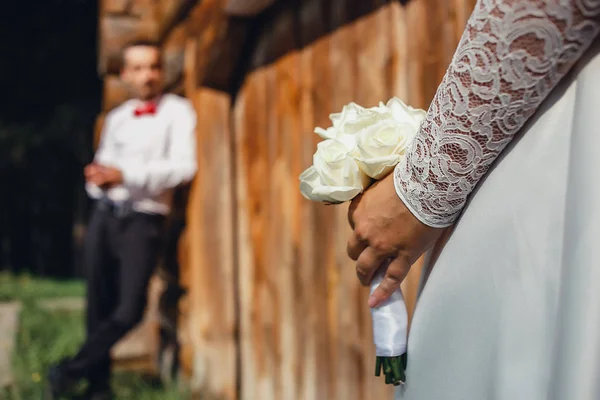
x=200 y=16
x=224 y=57
x=118 y=30
x=397 y=75
x=250 y=125
x=288 y=166
x=359 y=62
x=114 y=93
x=315 y=249
x=208 y=25
x=190 y=82
x=246 y=8
x=98 y=126
x=308 y=341
x=114 y=6
x=168 y=8
x=171 y=14
x=212 y=321
x=314 y=343
x=345 y=291
x=173 y=52
x=321 y=296
x=268 y=279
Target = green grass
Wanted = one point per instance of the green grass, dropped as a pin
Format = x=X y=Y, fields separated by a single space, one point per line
x=45 y=337
x=26 y=288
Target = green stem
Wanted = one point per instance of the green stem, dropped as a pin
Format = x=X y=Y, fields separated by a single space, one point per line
x=393 y=369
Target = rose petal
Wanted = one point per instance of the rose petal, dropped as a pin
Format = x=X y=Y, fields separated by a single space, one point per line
x=312 y=189
x=329 y=133
x=329 y=160
x=379 y=167
x=405 y=113
x=309 y=180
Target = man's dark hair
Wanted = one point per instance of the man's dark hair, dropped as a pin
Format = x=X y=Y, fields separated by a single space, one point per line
x=138 y=43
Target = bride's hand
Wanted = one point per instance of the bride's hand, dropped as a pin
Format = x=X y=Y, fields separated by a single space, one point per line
x=384 y=229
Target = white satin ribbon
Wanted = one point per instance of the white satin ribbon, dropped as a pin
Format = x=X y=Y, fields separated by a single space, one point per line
x=390 y=322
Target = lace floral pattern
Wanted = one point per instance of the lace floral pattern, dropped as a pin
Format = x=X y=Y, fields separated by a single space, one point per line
x=510 y=57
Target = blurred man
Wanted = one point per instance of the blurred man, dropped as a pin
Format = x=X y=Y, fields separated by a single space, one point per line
x=147 y=148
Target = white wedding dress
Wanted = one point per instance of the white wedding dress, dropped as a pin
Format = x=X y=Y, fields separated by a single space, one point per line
x=510 y=305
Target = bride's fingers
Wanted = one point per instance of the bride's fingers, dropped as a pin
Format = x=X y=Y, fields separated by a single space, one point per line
x=355 y=246
x=396 y=272
x=368 y=263
x=352 y=208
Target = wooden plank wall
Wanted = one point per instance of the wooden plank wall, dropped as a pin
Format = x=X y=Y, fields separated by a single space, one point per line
x=273 y=309
x=305 y=327
x=212 y=319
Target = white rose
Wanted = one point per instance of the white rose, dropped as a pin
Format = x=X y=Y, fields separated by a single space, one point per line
x=351 y=121
x=382 y=145
x=309 y=180
x=334 y=177
x=329 y=133
x=404 y=113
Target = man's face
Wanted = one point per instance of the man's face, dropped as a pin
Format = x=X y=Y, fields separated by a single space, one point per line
x=142 y=71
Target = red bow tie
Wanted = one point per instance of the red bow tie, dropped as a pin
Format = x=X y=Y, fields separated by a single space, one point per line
x=145 y=109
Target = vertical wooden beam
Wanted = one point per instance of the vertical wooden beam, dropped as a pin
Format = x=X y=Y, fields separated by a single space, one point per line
x=397 y=67
x=313 y=24
x=172 y=13
x=321 y=296
x=345 y=366
x=305 y=329
x=211 y=254
x=173 y=50
x=190 y=82
x=288 y=166
x=250 y=125
x=208 y=26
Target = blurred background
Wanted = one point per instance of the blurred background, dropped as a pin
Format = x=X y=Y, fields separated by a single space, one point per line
x=254 y=297
x=51 y=95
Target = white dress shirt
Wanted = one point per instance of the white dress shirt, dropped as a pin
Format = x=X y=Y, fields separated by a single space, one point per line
x=155 y=153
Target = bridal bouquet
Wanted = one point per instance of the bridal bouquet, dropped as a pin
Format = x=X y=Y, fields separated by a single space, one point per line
x=363 y=145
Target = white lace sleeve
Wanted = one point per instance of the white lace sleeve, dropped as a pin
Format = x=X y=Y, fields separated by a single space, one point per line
x=511 y=55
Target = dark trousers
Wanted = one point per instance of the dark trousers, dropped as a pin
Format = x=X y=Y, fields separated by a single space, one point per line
x=120 y=254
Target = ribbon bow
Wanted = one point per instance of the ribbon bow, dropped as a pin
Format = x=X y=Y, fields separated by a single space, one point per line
x=145 y=109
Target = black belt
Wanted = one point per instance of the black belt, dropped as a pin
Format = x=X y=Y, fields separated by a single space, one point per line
x=120 y=210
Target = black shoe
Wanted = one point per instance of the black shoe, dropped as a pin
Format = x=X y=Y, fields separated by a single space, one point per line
x=59 y=383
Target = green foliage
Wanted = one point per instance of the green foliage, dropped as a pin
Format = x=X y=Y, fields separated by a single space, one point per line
x=45 y=337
